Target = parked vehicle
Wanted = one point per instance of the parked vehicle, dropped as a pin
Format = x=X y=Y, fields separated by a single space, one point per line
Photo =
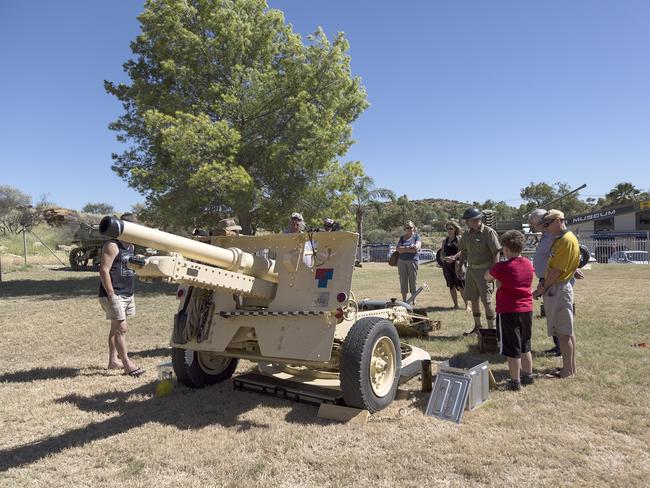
x=629 y=257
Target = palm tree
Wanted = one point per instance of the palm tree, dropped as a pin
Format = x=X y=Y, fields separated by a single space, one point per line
x=365 y=194
x=623 y=193
x=405 y=208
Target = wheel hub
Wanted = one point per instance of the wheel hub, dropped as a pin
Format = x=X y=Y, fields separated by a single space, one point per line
x=382 y=366
x=212 y=363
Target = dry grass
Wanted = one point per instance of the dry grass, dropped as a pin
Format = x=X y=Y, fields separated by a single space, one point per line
x=67 y=422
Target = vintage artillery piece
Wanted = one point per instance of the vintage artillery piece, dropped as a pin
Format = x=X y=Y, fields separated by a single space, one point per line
x=282 y=301
x=89 y=242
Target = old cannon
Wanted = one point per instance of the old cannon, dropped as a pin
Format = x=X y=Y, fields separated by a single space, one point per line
x=282 y=301
x=88 y=242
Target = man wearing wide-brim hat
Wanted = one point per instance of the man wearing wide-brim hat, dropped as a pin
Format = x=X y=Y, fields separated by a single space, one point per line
x=557 y=290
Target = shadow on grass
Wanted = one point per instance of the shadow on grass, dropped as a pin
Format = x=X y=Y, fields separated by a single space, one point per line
x=58 y=289
x=184 y=408
x=87 y=269
x=39 y=374
x=157 y=352
x=473 y=356
x=439 y=309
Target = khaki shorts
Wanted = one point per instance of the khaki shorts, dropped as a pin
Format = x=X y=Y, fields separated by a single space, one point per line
x=475 y=285
x=119 y=308
x=558 y=306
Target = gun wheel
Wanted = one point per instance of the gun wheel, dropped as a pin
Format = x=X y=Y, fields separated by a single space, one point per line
x=382 y=366
x=370 y=364
x=197 y=369
x=75 y=258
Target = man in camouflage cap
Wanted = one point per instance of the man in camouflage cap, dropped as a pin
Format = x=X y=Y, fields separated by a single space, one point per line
x=478 y=247
x=226 y=227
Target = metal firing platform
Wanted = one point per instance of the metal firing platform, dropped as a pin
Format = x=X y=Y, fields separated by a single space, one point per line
x=287 y=389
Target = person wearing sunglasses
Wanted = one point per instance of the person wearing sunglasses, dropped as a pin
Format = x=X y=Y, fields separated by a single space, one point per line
x=407 y=263
x=450 y=263
x=541 y=257
x=331 y=225
x=557 y=289
x=296 y=224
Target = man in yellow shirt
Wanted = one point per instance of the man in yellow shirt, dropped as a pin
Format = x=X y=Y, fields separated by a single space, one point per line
x=557 y=289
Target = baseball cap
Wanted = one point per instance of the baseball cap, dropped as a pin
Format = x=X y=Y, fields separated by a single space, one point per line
x=552 y=215
x=296 y=215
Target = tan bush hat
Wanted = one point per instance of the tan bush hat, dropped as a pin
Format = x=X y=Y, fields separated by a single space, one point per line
x=551 y=215
x=228 y=224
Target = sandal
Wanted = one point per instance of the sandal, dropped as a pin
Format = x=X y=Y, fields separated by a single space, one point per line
x=557 y=374
x=134 y=373
x=473 y=331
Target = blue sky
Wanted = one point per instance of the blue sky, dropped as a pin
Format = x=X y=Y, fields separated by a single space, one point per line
x=470 y=100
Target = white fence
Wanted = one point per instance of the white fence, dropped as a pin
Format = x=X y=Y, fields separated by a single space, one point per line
x=602 y=249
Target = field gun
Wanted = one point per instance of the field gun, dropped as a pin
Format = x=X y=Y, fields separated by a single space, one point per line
x=283 y=301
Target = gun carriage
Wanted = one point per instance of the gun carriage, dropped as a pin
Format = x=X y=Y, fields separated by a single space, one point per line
x=88 y=241
x=282 y=301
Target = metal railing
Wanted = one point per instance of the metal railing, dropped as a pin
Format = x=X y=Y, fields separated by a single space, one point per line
x=603 y=248
x=379 y=253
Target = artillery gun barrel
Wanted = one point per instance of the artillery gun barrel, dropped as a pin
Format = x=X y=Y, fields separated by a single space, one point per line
x=231 y=259
x=551 y=202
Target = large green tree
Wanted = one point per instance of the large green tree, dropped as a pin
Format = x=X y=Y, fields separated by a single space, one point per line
x=542 y=194
x=228 y=112
x=13 y=203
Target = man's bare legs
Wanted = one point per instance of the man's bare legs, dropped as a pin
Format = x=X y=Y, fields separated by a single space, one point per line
x=476 y=313
x=114 y=361
x=568 y=350
x=489 y=312
x=119 y=328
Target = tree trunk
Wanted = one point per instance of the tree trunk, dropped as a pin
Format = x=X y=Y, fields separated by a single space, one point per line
x=360 y=232
x=246 y=224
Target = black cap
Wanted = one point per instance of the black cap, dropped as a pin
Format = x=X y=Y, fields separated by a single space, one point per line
x=472 y=213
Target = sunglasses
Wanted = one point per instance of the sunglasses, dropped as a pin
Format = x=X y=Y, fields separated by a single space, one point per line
x=450 y=228
x=547 y=224
x=296 y=218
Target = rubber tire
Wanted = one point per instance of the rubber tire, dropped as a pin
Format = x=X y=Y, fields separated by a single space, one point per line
x=189 y=371
x=74 y=256
x=355 y=363
x=439 y=257
x=585 y=255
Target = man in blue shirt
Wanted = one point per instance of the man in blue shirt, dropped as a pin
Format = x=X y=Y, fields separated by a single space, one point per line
x=541 y=257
